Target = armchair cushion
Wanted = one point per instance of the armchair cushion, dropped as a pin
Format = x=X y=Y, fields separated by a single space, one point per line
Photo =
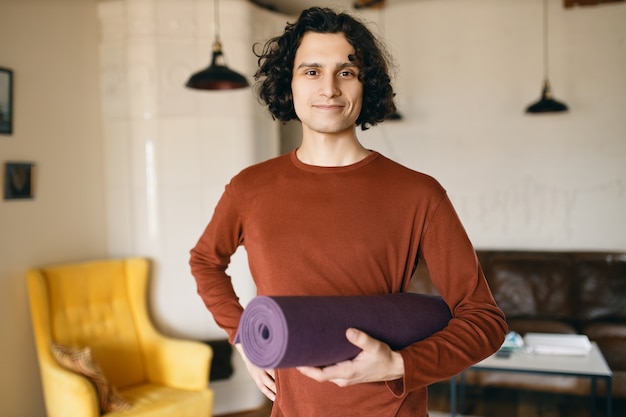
x=81 y=361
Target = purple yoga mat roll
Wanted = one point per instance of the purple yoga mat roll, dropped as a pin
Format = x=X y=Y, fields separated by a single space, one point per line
x=290 y=331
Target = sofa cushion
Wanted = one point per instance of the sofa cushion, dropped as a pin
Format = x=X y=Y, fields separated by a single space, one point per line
x=523 y=326
x=531 y=285
x=601 y=279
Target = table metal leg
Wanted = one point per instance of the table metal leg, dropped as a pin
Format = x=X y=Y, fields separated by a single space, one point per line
x=462 y=393
x=609 y=397
x=593 y=396
x=453 y=396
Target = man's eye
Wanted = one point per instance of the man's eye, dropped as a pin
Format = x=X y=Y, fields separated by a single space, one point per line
x=311 y=72
x=346 y=74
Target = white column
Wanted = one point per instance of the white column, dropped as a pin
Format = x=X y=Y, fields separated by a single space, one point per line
x=170 y=150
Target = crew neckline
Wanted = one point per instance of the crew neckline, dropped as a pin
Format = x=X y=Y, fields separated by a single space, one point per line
x=324 y=169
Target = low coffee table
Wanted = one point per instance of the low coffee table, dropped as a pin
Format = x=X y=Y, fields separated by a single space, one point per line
x=592 y=366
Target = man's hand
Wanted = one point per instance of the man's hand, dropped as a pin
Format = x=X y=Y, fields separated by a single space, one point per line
x=377 y=362
x=263 y=378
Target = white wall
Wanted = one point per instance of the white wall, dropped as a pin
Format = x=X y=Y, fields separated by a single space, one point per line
x=467 y=70
x=51 y=47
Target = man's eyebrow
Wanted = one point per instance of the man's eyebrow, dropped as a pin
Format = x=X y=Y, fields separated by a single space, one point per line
x=318 y=65
x=348 y=64
x=309 y=64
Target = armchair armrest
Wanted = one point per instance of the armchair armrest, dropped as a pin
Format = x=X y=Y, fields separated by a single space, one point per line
x=177 y=363
x=66 y=391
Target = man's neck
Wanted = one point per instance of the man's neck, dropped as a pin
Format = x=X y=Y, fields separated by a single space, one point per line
x=331 y=150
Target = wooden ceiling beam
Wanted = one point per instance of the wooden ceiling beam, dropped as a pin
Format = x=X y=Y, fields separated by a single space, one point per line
x=572 y=3
x=369 y=4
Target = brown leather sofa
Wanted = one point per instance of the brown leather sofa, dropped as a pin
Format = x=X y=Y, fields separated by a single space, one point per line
x=556 y=292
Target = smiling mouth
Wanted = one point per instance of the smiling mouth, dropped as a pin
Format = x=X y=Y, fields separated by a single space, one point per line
x=328 y=106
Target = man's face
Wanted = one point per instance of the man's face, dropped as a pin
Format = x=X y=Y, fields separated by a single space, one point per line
x=327 y=94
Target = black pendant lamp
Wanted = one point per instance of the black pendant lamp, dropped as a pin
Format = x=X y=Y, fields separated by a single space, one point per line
x=217 y=76
x=546 y=104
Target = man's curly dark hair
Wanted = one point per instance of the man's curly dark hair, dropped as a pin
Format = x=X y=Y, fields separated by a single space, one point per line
x=275 y=65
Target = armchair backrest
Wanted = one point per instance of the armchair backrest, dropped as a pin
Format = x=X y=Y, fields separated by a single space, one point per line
x=100 y=304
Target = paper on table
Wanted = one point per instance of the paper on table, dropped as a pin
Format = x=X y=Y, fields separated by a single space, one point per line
x=557 y=344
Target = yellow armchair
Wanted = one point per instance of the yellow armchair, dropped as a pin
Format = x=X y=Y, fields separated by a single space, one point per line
x=101 y=305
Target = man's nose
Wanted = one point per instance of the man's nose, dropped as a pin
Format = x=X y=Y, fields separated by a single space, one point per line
x=330 y=87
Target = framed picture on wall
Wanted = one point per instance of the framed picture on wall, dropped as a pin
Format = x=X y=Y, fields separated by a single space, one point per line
x=6 y=101
x=18 y=180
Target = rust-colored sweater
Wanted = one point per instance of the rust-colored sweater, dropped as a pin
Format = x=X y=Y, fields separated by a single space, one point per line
x=358 y=229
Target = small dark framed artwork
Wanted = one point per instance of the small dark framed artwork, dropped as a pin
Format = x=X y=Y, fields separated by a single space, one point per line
x=18 y=180
x=6 y=101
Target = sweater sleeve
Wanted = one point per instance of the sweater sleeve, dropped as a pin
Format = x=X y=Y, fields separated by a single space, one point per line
x=477 y=328
x=210 y=259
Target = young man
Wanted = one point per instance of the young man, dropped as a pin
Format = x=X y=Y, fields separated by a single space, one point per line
x=334 y=218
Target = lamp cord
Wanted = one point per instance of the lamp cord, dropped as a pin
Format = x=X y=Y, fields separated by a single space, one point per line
x=216 y=10
x=546 y=65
